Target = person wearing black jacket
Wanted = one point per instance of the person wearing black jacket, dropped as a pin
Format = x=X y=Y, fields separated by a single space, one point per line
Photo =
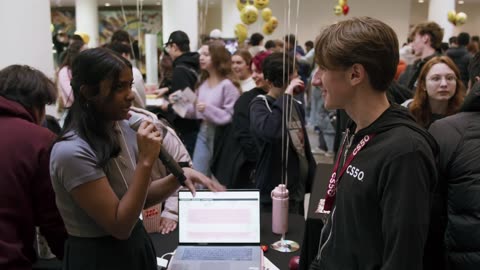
x=380 y=192
x=234 y=161
x=458 y=137
x=272 y=137
x=185 y=74
x=461 y=56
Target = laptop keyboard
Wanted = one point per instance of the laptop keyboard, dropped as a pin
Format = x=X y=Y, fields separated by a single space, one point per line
x=218 y=254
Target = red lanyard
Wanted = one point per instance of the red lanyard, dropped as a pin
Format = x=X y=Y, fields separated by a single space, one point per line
x=332 y=185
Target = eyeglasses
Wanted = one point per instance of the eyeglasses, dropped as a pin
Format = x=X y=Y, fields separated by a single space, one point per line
x=438 y=78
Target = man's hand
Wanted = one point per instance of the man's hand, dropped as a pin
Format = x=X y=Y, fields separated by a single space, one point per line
x=167 y=225
x=194 y=177
x=161 y=92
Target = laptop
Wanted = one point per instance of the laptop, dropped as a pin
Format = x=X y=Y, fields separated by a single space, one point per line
x=218 y=231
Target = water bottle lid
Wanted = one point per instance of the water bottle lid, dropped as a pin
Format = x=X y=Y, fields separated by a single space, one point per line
x=280 y=192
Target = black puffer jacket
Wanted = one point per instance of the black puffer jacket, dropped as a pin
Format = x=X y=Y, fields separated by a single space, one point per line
x=461 y=57
x=458 y=137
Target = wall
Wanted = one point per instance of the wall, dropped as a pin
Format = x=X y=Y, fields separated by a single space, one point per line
x=213 y=20
x=473 y=21
x=26 y=37
x=419 y=13
x=316 y=14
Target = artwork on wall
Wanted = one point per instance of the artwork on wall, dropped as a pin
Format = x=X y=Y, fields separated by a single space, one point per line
x=63 y=20
x=112 y=19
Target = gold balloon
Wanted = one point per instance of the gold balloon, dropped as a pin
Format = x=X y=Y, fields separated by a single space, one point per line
x=242 y=3
x=342 y=2
x=241 y=32
x=261 y=4
x=338 y=10
x=266 y=14
x=273 y=22
x=452 y=16
x=268 y=29
x=249 y=15
x=461 y=18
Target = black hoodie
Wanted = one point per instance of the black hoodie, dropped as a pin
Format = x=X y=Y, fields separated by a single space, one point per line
x=380 y=219
x=185 y=74
x=185 y=71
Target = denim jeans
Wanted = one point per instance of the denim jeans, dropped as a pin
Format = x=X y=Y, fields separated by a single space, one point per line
x=320 y=117
x=316 y=103
x=203 y=153
x=326 y=127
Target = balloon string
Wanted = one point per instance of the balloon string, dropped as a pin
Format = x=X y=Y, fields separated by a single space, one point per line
x=290 y=108
x=125 y=27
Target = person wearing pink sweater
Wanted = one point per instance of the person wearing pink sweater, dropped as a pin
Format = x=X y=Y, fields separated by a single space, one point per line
x=216 y=96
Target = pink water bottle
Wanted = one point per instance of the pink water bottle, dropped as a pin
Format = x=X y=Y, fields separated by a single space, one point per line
x=280 y=209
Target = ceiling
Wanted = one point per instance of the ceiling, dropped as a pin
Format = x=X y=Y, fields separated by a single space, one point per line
x=71 y=3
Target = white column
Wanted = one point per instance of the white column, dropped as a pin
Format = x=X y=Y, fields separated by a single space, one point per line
x=26 y=38
x=437 y=12
x=230 y=18
x=86 y=19
x=151 y=58
x=181 y=15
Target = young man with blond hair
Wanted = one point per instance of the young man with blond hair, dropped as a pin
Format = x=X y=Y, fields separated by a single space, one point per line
x=380 y=190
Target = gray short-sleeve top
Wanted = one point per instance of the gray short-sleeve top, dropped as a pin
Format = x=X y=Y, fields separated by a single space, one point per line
x=73 y=163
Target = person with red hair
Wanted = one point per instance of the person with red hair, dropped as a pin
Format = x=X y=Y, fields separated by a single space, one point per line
x=439 y=92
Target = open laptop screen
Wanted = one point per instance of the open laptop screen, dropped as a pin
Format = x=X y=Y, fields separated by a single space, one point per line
x=230 y=217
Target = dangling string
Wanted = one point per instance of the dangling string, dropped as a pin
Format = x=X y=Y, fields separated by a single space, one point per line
x=288 y=114
x=203 y=19
x=140 y=24
x=125 y=27
x=290 y=108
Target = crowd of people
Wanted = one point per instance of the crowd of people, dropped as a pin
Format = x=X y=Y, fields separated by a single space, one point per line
x=401 y=124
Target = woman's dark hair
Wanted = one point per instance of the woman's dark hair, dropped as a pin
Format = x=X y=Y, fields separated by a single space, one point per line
x=120 y=48
x=89 y=69
x=121 y=36
x=71 y=53
x=27 y=86
x=277 y=69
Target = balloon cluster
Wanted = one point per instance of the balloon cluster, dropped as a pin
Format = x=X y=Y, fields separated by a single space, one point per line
x=457 y=18
x=342 y=7
x=249 y=11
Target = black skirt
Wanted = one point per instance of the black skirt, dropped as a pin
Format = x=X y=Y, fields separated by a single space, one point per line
x=104 y=253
